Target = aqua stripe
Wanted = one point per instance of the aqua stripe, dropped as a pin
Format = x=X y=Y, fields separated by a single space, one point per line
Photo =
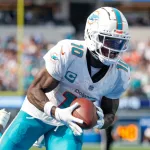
x=119 y=19
x=122 y=67
x=123 y=63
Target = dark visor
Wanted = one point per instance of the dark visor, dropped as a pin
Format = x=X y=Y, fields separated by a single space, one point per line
x=114 y=43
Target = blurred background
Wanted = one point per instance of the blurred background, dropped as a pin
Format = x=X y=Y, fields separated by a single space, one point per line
x=29 y=28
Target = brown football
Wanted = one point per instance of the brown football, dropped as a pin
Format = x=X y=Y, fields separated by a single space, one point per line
x=86 y=111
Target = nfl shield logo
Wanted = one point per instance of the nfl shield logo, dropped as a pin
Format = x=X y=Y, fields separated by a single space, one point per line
x=91 y=87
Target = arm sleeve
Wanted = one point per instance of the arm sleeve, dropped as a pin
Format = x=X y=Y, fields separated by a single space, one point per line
x=55 y=61
x=120 y=86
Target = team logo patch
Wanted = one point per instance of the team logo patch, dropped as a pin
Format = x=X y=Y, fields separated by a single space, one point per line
x=54 y=57
x=70 y=76
x=91 y=87
x=93 y=17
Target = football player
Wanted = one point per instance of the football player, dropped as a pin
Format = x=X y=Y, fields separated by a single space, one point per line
x=4 y=118
x=91 y=68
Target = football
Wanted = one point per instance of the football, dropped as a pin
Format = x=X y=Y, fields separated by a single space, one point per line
x=86 y=111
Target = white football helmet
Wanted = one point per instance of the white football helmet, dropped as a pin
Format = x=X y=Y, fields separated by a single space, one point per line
x=106 y=34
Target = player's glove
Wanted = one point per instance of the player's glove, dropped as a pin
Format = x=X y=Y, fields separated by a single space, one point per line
x=100 y=121
x=4 y=117
x=65 y=116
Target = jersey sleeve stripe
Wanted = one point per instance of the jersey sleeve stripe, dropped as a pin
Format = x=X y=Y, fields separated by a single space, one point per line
x=122 y=67
x=122 y=63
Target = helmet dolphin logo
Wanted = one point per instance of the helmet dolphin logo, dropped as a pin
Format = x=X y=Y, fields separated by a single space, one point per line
x=93 y=17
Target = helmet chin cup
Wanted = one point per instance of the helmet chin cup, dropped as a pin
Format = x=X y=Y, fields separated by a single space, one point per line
x=107 y=61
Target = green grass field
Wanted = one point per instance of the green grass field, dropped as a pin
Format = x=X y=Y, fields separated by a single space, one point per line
x=97 y=147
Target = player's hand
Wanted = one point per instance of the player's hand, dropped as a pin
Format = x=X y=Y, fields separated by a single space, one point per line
x=100 y=121
x=65 y=116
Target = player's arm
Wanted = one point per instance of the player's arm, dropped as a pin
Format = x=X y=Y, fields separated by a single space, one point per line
x=42 y=83
x=109 y=107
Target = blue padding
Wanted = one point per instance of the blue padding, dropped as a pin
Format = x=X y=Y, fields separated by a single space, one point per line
x=11 y=101
x=91 y=137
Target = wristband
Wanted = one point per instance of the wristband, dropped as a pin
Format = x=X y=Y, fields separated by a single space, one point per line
x=47 y=108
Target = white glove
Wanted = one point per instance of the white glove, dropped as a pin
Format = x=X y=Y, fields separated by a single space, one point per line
x=100 y=121
x=4 y=117
x=65 y=116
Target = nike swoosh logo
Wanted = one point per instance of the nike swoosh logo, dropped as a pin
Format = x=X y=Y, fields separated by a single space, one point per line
x=62 y=52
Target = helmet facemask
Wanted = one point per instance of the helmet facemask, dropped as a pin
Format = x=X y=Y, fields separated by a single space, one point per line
x=107 y=47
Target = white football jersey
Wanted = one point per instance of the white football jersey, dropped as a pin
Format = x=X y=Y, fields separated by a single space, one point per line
x=67 y=63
